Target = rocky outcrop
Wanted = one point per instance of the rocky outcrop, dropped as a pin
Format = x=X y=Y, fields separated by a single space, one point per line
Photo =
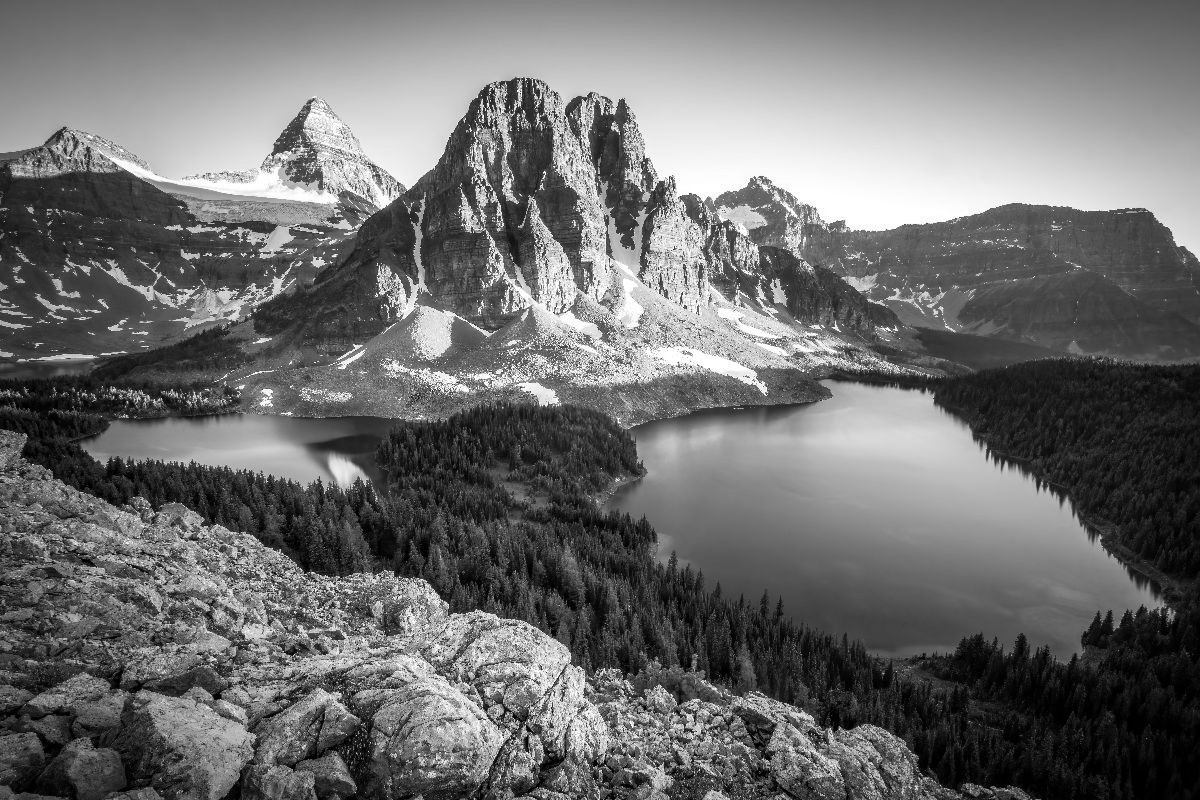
x=322 y=688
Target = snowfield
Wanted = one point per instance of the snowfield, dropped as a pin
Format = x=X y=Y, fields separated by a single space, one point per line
x=688 y=356
x=545 y=395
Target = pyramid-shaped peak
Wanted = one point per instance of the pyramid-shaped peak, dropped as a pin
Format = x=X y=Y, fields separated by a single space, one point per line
x=69 y=140
x=317 y=126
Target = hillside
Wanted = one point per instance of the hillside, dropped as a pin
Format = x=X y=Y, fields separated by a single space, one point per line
x=198 y=663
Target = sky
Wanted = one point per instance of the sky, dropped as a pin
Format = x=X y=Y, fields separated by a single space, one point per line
x=878 y=112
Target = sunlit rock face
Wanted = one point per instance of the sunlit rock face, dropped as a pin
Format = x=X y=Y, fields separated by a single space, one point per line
x=317 y=150
x=514 y=149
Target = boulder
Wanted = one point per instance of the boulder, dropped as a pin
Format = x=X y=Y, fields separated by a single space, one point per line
x=145 y=793
x=308 y=728
x=54 y=730
x=427 y=738
x=82 y=772
x=66 y=695
x=660 y=701
x=801 y=769
x=184 y=750
x=331 y=777
x=274 y=782
x=93 y=718
x=202 y=676
x=12 y=698
x=876 y=764
x=21 y=758
x=151 y=665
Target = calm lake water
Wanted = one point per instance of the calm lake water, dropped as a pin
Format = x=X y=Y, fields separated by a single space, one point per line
x=873 y=513
x=338 y=449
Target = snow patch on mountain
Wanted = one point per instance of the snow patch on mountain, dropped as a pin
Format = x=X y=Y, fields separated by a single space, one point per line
x=544 y=395
x=264 y=185
x=743 y=215
x=735 y=317
x=689 y=356
x=631 y=310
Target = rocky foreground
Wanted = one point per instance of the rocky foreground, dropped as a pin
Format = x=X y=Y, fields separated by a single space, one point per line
x=146 y=655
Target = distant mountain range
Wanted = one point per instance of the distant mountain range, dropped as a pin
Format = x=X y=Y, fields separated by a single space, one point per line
x=1111 y=282
x=99 y=254
x=542 y=256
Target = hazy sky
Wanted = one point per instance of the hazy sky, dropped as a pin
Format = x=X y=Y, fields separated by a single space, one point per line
x=878 y=112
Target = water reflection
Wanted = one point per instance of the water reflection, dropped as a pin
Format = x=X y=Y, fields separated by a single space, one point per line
x=874 y=513
x=338 y=449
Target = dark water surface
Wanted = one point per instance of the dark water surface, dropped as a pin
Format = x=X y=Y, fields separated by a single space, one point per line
x=874 y=513
x=339 y=449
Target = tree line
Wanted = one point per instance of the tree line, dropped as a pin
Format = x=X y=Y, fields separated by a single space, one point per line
x=495 y=507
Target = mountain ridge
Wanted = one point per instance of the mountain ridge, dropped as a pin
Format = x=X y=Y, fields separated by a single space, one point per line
x=988 y=273
x=122 y=258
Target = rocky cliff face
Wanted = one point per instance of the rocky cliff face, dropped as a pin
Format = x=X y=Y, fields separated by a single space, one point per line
x=1085 y=281
x=587 y=279
x=146 y=655
x=534 y=201
x=98 y=254
x=317 y=150
x=772 y=216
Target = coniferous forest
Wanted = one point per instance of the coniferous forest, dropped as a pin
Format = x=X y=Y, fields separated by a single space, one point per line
x=496 y=508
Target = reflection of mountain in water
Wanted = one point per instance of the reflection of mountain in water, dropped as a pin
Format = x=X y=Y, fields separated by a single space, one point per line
x=344 y=471
x=352 y=457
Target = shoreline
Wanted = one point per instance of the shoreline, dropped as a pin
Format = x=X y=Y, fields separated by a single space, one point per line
x=1172 y=591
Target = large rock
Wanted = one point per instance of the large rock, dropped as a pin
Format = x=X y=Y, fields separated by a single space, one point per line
x=183 y=749
x=274 y=782
x=81 y=772
x=428 y=739
x=331 y=777
x=801 y=769
x=67 y=695
x=21 y=758
x=527 y=684
x=311 y=726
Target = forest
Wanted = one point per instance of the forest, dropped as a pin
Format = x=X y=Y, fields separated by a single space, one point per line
x=1122 y=441
x=495 y=507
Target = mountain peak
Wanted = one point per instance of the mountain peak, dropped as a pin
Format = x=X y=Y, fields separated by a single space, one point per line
x=528 y=97
x=317 y=126
x=89 y=152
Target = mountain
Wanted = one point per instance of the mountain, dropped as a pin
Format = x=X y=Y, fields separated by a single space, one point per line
x=151 y=655
x=100 y=255
x=1112 y=282
x=316 y=152
x=546 y=228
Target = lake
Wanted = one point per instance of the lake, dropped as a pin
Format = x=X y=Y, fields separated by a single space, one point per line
x=877 y=514
x=336 y=449
x=873 y=513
